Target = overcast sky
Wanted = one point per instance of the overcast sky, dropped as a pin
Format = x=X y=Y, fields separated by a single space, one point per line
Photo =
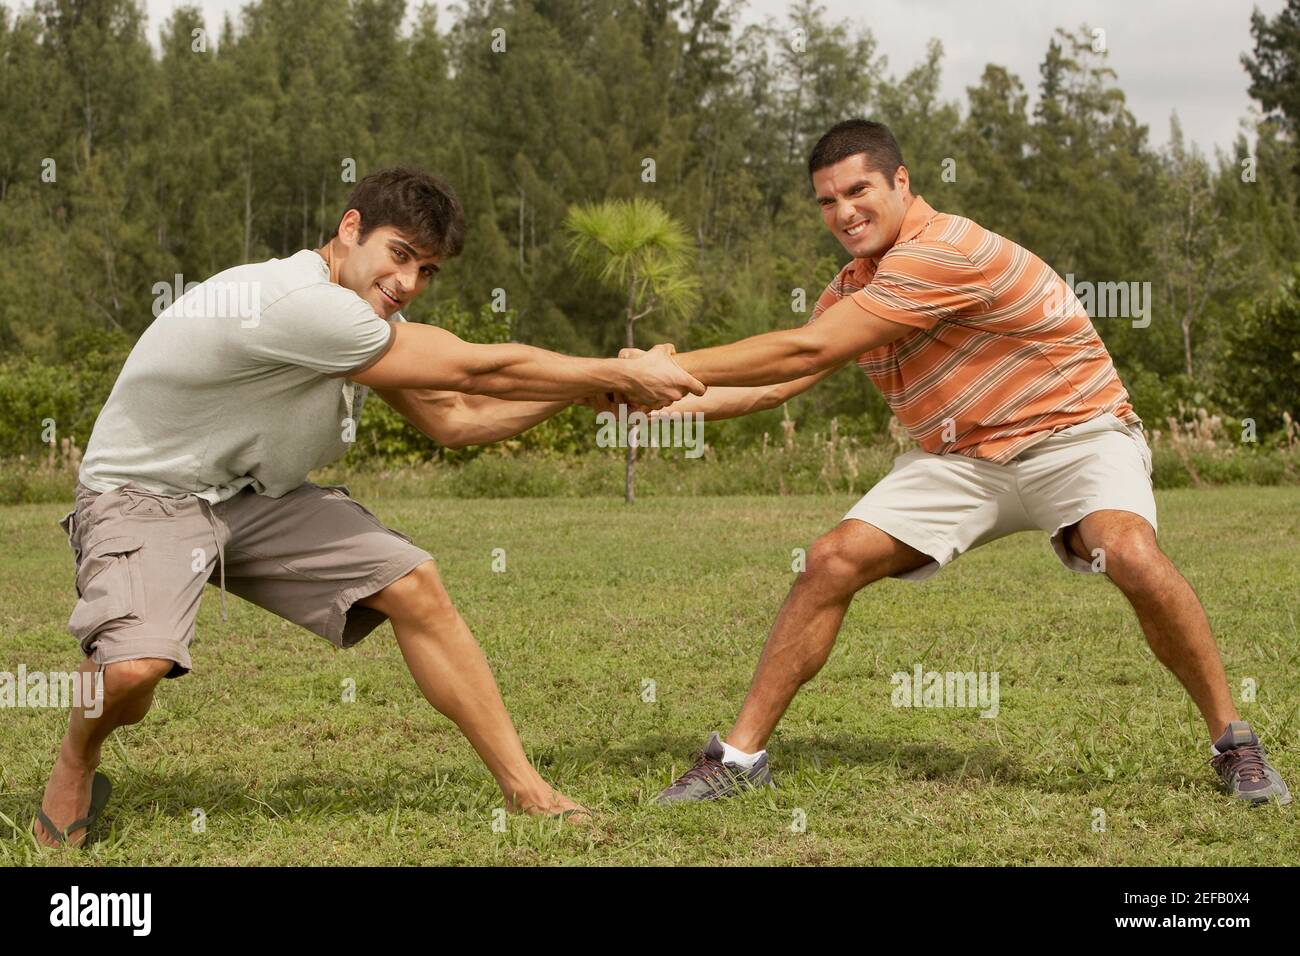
x=1171 y=55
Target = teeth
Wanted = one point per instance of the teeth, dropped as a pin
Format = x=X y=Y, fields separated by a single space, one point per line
x=853 y=231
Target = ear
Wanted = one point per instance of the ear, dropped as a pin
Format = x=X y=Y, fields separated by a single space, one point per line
x=350 y=227
x=901 y=179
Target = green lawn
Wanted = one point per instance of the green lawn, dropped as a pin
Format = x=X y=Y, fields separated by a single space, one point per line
x=597 y=597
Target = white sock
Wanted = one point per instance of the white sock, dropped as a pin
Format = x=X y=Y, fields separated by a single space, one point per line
x=731 y=755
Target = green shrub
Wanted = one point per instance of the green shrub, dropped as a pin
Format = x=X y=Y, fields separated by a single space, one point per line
x=1261 y=358
x=34 y=393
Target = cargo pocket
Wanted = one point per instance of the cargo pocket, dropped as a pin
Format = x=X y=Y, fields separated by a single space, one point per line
x=137 y=503
x=108 y=587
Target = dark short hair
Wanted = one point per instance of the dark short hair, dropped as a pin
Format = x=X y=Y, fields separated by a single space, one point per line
x=872 y=139
x=421 y=206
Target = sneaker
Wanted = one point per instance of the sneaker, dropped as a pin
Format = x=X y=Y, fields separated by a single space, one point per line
x=1243 y=766
x=710 y=778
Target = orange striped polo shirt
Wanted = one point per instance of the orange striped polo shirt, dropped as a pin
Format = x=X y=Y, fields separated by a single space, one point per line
x=1001 y=352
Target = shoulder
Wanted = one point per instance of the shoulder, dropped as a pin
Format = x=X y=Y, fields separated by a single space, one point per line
x=855 y=274
x=944 y=231
x=944 y=245
x=301 y=285
x=300 y=276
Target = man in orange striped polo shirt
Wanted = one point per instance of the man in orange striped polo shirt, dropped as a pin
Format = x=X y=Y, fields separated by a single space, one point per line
x=994 y=367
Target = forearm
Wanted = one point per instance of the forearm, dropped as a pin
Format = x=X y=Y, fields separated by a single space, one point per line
x=456 y=420
x=843 y=331
x=768 y=359
x=481 y=419
x=724 y=401
x=525 y=373
x=427 y=357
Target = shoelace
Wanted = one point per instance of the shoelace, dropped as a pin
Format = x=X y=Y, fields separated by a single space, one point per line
x=706 y=768
x=1247 y=760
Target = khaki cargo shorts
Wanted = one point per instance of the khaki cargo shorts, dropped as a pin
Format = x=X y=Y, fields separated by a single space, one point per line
x=142 y=560
x=945 y=505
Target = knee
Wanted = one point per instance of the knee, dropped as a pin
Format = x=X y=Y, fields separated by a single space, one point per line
x=129 y=686
x=1133 y=559
x=836 y=565
x=137 y=677
x=419 y=594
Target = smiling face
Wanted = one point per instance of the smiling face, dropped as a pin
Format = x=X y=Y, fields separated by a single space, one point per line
x=386 y=270
x=859 y=206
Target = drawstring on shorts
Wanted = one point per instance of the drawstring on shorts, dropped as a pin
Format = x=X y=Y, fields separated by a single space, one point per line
x=221 y=553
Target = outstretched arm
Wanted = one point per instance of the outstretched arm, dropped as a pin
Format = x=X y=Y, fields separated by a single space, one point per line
x=843 y=331
x=455 y=420
x=424 y=356
x=723 y=401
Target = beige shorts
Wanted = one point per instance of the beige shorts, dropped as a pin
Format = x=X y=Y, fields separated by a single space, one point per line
x=142 y=560
x=945 y=505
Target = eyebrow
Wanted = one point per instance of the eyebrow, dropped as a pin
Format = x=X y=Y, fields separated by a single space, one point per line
x=852 y=189
x=411 y=251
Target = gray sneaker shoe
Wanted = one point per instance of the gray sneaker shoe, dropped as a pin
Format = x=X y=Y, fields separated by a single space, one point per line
x=1243 y=766
x=710 y=778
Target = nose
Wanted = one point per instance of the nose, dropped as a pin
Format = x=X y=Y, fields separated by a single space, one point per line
x=845 y=213
x=405 y=280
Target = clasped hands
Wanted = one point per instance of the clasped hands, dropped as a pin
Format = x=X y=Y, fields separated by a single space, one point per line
x=657 y=382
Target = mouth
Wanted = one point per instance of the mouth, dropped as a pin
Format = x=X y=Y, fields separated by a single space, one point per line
x=857 y=229
x=388 y=294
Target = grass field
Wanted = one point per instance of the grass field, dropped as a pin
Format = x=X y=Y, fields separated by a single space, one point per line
x=597 y=598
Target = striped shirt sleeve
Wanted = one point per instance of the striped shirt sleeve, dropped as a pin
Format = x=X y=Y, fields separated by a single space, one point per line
x=920 y=284
x=833 y=292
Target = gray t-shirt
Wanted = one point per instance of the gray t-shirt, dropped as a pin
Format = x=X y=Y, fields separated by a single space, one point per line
x=243 y=381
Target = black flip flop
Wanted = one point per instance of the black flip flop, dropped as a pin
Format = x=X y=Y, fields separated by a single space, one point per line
x=100 y=790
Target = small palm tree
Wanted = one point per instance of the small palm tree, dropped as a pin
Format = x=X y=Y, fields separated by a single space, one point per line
x=635 y=248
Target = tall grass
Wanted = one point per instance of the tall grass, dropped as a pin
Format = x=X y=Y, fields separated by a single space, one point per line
x=1197 y=450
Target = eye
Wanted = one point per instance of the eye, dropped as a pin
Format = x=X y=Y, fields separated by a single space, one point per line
x=428 y=272
x=399 y=255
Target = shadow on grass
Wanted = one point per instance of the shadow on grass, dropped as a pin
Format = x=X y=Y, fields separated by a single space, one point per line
x=176 y=795
x=924 y=760
x=936 y=761
x=815 y=755
x=927 y=761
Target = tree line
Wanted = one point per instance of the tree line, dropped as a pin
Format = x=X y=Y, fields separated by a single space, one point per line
x=122 y=166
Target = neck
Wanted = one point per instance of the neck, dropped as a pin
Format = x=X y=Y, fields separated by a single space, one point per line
x=326 y=252
x=907 y=207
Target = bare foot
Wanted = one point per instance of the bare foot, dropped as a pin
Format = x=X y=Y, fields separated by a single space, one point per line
x=553 y=804
x=66 y=800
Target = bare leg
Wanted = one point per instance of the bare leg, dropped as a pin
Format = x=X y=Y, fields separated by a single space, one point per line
x=840 y=563
x=1171 y=615
x=128 y=692
x=454 y=676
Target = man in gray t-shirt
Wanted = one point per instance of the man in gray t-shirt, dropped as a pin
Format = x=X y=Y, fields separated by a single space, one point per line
x=243 y=382
x=197 y=469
